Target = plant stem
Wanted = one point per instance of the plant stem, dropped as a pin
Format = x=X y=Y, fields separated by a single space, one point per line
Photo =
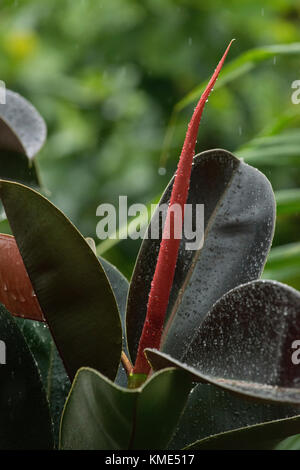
x=168 y=252
x=126 y=363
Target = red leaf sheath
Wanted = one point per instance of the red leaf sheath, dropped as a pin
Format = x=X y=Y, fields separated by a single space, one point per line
x=16 y=292
x=166 y=263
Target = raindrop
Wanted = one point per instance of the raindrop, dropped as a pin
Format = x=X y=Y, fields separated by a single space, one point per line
x=162 y=171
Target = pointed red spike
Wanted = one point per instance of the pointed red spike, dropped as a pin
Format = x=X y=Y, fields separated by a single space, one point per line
x=16 y=292
x=168 y=252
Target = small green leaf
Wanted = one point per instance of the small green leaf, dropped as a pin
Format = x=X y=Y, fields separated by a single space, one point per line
x=290 y=443
x=288 y=201
x=101 y=415
x=240 y=66
x=70 y=284
x=283 y=264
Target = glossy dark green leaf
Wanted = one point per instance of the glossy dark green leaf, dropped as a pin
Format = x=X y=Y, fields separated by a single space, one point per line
x=70 y=284
x=25 y=417
x=101 y=415
x=22 y=129
x=239 y=213
x=55 y=379
x=211 y=411
x=248 y=343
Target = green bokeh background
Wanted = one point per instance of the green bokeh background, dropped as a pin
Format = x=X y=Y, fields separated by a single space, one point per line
x=106 y=76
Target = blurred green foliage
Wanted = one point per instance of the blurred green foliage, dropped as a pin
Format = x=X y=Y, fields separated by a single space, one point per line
x=106 y=76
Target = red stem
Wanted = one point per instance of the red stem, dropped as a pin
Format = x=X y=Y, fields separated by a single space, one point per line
x=168 y=252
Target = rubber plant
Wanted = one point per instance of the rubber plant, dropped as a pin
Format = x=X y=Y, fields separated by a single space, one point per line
x=194 y=354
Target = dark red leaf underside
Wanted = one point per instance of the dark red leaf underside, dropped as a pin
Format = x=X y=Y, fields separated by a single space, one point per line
x=16 y=292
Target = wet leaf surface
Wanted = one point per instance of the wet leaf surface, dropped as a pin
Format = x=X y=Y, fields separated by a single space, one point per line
x=239 y=221
x=22 y=129
x=211 y=411
x=247 y=343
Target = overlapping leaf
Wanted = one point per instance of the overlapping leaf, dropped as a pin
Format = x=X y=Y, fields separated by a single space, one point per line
x=101 y=415
x=212 y=413
x=238 y=221
x=71 y=286
x=25 y=417
x=247 y=343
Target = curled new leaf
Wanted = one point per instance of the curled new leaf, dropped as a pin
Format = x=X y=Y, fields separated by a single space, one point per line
x=169 y=246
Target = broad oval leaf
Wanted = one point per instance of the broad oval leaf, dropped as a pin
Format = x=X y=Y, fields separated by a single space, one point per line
x=247 y=343
x=25 y=418
x=71 y=286
x=239 y=213
x=22 y=129
x=101 y=415
x=16 y=291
